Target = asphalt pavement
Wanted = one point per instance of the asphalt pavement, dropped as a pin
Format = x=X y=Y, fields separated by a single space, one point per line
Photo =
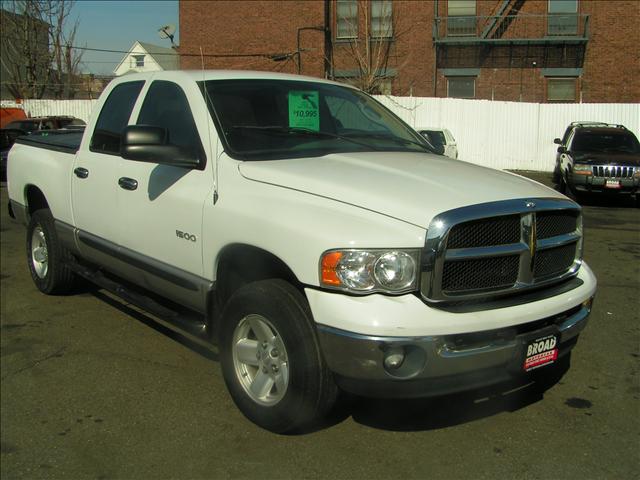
x=94 y=388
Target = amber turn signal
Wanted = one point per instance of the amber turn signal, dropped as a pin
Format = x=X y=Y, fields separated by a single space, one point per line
x=329 y=263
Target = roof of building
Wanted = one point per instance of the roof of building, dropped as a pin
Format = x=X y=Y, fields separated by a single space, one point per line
x=167 y=58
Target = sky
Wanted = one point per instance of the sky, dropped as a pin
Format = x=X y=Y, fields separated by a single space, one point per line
x=116 y=25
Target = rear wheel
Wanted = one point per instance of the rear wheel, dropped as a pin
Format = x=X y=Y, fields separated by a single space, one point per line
x=271 y=359
x=46 y=257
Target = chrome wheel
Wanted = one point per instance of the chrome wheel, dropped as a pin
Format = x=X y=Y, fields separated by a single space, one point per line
x=39 y=253
x=260 y=360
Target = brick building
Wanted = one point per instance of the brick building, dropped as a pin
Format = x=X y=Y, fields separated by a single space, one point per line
x=515 y=50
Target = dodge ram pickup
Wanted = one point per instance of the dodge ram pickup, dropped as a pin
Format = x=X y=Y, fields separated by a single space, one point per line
x=310 y=234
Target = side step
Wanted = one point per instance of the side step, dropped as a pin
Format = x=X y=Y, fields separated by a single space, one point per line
x=183 y=319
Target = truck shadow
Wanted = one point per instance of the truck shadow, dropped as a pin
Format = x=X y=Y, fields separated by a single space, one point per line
x=156 y=324
x=606 y=201
x=400 y=415
x=450 y=410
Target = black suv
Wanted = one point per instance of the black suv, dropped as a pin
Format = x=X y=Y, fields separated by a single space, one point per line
x=597 y=157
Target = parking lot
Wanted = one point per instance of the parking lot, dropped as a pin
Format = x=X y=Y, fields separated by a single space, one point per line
x=94 y=388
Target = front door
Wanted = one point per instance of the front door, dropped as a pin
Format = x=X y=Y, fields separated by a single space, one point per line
x=163 y=213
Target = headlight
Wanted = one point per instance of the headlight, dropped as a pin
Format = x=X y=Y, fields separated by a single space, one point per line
x=366 y=271
x=582 y=169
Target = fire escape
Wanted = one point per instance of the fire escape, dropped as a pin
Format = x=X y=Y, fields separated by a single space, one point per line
x=510 y=39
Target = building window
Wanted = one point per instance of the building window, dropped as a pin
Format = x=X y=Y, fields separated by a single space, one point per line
x=563 y=17
x=461 y=87
x=561 y=89
x=461 y=17
x=381 y=19
x=138 y=61
x=347 y=19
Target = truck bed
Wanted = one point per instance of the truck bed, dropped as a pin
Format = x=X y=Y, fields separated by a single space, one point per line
x=67 y=141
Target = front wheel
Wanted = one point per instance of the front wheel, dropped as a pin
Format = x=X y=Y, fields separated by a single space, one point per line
x=562 y=184
x=46 y=257
x=271 y=358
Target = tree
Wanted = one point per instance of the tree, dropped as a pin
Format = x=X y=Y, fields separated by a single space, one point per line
x=37 y=53
x=65 y=59
x=371 y=49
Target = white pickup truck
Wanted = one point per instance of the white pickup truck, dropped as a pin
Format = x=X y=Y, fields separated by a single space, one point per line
x=309 y=232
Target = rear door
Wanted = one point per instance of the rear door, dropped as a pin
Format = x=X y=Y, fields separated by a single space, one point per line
x=94 y=182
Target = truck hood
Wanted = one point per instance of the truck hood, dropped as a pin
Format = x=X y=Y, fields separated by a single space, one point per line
x=413 y=187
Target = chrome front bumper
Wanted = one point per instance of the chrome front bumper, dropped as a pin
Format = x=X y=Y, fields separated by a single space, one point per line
x=590 y=183
x=438 y=365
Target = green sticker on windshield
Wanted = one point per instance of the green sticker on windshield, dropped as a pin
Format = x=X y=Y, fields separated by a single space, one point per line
x=303 y=110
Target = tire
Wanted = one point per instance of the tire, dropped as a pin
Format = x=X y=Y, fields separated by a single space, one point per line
x=289 y=388
x=46 y=258
x=555 y=178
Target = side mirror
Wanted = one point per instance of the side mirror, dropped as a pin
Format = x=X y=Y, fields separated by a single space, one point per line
x=562 y=150
x=147 y=143
x=557 y=141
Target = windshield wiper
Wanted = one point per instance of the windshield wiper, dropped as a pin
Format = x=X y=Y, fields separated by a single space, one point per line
x=300 y=131
x=403 y=141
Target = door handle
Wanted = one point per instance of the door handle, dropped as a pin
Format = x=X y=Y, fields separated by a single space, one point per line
x=81 y=172
x=128 y=183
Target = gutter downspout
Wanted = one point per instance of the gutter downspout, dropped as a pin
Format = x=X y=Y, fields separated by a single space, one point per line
x=328 y=44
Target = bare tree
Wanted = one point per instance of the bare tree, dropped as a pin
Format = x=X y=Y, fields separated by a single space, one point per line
x=371 y=49
x=65 y=74
x=37 y=54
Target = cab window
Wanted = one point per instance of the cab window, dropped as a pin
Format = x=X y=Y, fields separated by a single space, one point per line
x=167 y=106
x=114 y=117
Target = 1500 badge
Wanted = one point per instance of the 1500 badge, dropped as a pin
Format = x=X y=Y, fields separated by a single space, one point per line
x=186 y=236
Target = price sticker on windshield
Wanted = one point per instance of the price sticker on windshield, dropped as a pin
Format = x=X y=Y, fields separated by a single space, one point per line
x=304 y=110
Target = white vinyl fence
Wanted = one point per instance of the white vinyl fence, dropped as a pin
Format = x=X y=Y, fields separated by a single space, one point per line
x=76 y=108
x=507 y=135
x=502 y=135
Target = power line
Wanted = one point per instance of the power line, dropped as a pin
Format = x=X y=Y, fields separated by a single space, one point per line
x=177 y=52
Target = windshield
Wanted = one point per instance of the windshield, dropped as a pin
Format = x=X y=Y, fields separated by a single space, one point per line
x=606 y=142
x=274 y=119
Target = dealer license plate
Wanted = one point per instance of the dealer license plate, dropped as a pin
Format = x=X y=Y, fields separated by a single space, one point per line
x=540 y=352
x=612 y=184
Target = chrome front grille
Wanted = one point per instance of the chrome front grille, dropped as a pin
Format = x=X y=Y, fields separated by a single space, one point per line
x=610 y=171
x=485 y=232
x=552 y=224
x=480 y=273
x=554 y=261
x=500 y=247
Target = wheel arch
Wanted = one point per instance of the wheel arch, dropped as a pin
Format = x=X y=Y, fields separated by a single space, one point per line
x=34 y=199
x=237 y=265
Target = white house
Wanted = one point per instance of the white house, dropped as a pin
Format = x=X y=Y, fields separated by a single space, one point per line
x=145 y=57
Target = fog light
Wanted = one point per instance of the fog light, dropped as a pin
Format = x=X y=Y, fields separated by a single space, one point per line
x=393 y=358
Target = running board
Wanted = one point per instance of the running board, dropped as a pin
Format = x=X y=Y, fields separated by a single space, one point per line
x=186 y=321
